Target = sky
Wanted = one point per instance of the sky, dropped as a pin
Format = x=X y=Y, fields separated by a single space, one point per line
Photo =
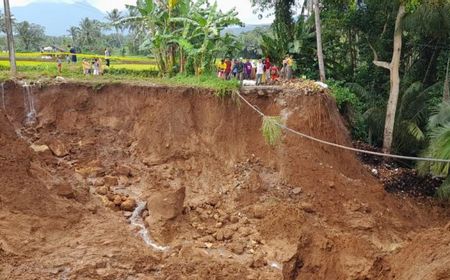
x=244 y=7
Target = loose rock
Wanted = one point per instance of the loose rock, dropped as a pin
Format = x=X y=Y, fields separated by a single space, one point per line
x=128 y=205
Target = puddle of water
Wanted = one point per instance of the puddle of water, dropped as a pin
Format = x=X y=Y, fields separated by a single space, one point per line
x=137 y=221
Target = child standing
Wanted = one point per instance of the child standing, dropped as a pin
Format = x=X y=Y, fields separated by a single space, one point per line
x=96 y=67
x=86 y=67
x=59 y=65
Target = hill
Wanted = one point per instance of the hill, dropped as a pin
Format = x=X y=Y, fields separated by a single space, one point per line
x=58 y=16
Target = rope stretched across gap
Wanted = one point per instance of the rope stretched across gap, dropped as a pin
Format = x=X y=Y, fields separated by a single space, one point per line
x=341 y=146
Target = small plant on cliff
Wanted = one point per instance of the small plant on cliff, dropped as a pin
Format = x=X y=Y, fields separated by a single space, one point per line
x=271 y=129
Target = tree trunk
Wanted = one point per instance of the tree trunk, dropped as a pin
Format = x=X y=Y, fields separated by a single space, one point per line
x=395 y=81
x=319 y=40
x=10 y=38
x=446 y=97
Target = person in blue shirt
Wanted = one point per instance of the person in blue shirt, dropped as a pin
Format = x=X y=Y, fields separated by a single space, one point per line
x=73 y=52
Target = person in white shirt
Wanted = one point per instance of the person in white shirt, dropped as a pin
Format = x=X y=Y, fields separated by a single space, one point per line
x=259 y=72
x=107 y=57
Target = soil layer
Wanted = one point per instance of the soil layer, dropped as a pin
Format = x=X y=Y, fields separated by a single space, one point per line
x=223 y=203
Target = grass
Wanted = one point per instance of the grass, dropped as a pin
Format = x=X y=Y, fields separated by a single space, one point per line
x=131 y=74
x=37 y=56
x=271 y=129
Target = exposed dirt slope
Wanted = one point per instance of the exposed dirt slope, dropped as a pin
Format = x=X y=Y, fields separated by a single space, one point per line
x=227 y=205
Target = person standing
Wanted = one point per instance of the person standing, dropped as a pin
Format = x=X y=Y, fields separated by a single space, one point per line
x=221 y=69
x=274 y=73
x=267 y=68
x=107 y=57
x=73 y=53
x=247 y=70
x=259 y=72
x=59 y=65
x=289 y=63
x=240 y=70
x=283 y=71
x=96 y=67
x=86 y=67
x=227 y=69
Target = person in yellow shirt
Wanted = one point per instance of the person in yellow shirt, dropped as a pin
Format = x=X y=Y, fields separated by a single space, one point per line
x=221 y=69
x=86 y=67
x=289 y=63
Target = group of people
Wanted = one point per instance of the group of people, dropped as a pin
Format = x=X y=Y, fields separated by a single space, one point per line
x=94 y=66
x=262 y=71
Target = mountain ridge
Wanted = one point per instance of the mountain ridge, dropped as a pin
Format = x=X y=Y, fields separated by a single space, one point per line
x=61 y=16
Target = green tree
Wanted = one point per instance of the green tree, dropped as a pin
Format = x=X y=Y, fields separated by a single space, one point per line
x=30 y=35
x=189 y=31
x=114 y=20
x=89 y=34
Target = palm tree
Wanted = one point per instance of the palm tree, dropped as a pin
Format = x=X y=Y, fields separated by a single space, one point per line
x=74 y=33
x=114 y=18
x=439 y=147
x=90 y=31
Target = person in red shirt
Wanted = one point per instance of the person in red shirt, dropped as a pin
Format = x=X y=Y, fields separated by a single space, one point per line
x=228 y=69
x=274 y=73
x=267 y=68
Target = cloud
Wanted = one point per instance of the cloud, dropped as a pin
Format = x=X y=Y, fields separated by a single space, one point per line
x=243 y=7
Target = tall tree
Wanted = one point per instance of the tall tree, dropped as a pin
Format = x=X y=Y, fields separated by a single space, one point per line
x=394 y=69
x=319 y=40
x=90 y=33
x=30 y=35
x=114 y=17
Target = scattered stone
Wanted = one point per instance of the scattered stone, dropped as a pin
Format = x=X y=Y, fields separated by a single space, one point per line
x=167 y=204
x=92 y=208
x=245 y=220
x=39 y=148
x=307 y=207
x=258 y=212
x=117 y=200
x=103 y=190
x=297 y=190
x=258 y=261
x=58 y=148
x=234 y=219
x=123 y=170
x=145 y=214
x=65 y=191
x=207 y=239
x=127 y=214
x=111 y=181
x=244 y=231
x=109 y=204
x=219 y=236
x=362 y=223
x=224 y=234
x=110 y=196
x=128 y=205
x=238 y=248
x=98 y=182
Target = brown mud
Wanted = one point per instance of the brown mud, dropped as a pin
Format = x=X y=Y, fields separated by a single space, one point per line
x=225 y=204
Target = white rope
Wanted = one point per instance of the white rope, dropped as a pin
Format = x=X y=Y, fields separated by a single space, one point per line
x=341 y=146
